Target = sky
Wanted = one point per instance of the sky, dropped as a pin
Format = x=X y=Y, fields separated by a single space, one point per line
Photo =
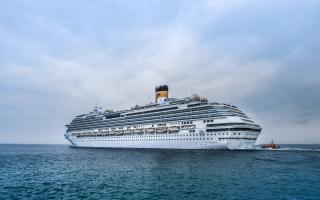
x=60 y=58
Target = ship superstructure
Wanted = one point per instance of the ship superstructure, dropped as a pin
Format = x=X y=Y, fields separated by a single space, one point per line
x=187 y=123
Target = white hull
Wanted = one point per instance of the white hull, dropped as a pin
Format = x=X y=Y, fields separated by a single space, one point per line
x=170 y=141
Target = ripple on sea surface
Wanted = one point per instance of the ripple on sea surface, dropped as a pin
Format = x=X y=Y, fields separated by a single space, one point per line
x=61 y=172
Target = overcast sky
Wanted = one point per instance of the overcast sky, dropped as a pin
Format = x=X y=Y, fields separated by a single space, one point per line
x=58 y=58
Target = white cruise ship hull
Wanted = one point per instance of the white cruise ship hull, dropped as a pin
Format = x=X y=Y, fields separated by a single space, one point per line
x=170 y=141
x=210 y=145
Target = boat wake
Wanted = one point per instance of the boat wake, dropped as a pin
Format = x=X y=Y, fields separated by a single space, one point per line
x=289 y=149
x=297 y=149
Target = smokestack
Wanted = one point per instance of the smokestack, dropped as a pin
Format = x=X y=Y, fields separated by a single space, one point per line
x=161 y=93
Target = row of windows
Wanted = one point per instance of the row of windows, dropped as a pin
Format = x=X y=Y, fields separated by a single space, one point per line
x=167 y=135
x=185 y=113
x=213 y=108
x=156 y=136
x=134 y=118
x=232 y=129
x=112 y=116
x=167 y=114
x=177 y=139
x=157 y=119
x=221 y=139
x=150 y=111
x=230 y=124
x=179 y=111
x=100 y=125
x=95 y=123
x=194 y=105
x=161 y=139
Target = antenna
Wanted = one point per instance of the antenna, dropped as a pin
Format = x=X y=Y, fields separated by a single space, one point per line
x=97 y=107
x=192 y=91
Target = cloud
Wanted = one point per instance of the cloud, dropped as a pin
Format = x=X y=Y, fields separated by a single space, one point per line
x=58 y=60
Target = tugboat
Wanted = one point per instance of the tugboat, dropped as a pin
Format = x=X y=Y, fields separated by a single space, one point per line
x=270 y=146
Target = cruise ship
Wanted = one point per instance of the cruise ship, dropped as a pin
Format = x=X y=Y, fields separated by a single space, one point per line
x=168 y=123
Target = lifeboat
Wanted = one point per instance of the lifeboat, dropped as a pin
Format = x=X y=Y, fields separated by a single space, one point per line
x=138 y=130
x=184 y=127
x=174 y=128
x=149 y=130
x=161 y=129
x=126 y=131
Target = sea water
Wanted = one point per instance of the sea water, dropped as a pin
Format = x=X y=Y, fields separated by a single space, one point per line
x=63 y=172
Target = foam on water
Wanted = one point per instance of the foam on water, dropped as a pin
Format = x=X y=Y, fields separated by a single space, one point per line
x=288 y=149
x=296 y=149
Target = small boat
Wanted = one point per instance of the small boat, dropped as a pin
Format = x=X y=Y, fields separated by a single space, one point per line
x=270 y=146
